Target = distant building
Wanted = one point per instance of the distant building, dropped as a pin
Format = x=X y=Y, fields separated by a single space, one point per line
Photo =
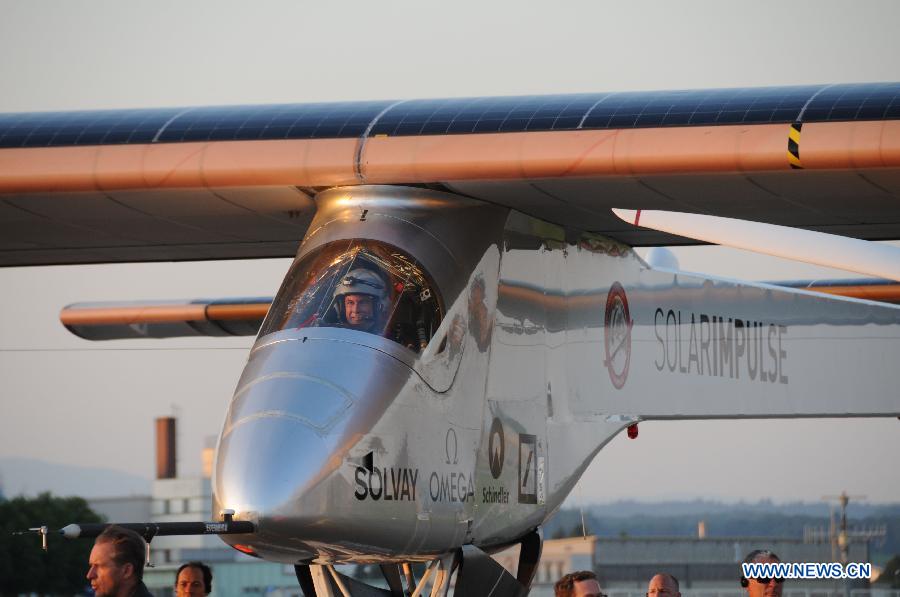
x=711 y=562
x=186 y=500
x=132 y=508
x=703 y=566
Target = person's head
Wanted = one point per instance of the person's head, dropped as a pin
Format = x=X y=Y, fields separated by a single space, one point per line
x=762 y=587
x=663 y=585
x=359 y=298
x=193 y=579
x=359 y=310
x=479 y=317
x=583 y=583
x=116 y=563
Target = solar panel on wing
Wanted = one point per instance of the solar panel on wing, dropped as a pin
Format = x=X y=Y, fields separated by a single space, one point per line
x=866 y=101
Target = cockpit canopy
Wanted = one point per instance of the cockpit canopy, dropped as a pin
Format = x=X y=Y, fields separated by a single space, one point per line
x=360 y=284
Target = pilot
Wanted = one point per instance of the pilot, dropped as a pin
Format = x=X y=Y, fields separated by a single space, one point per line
x=663 y=585
x=583 y=583
x=762 y=587
x=117 y=564
x=360 y=300
x=193 y=579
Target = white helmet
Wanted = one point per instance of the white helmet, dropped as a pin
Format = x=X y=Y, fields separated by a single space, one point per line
x=360 y=281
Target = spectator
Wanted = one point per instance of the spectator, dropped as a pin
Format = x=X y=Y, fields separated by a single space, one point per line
x=663 y=585
x=117 y=564
x=761 y=587
x=193 y=579
x=578 y=584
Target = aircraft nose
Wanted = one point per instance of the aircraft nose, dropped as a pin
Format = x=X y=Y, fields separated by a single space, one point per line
x=282 y=458
x=278 y=457
x=266 y=466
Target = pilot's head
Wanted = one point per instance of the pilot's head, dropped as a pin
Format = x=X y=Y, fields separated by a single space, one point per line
x=359 y=299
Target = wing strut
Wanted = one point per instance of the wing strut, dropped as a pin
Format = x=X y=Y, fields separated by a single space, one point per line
x=819 y=248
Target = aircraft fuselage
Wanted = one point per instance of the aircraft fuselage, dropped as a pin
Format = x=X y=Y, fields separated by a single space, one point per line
x=495 y=356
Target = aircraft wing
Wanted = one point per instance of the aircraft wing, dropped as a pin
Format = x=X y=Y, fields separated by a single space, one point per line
x=237 y=182
x=166 y=319
x=243 y=316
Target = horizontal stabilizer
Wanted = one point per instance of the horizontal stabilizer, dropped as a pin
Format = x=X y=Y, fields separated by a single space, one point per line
x=166 y=319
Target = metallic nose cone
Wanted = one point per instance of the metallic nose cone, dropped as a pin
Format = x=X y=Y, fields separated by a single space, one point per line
x=282 y=459
x=276 y=458
x=265 y=470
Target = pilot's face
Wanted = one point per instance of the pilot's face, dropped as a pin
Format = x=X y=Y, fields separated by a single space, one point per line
x=360 y=310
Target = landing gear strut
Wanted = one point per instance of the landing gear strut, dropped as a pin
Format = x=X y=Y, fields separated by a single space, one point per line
x=477 y=574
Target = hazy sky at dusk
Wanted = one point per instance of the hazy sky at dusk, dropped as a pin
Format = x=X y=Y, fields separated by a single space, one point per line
x=71 y=401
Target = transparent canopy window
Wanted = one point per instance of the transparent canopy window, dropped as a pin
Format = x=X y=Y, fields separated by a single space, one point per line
x=363 y=285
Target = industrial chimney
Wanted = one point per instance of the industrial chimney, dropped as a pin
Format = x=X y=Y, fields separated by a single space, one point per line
x=165 y=448
x=209 y=455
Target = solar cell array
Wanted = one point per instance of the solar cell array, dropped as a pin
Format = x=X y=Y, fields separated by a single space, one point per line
x=869 y=101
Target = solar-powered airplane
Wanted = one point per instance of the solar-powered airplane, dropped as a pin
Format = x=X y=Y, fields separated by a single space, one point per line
x=466 y=324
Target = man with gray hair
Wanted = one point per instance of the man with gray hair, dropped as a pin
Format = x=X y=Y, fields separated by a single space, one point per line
x=117 y=564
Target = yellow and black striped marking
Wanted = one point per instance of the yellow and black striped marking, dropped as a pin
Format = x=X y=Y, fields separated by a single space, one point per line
x=794 y=146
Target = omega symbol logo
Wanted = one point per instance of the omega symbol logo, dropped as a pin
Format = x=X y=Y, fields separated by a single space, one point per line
x=617 y=326
x=451 y=447
x=496 y=448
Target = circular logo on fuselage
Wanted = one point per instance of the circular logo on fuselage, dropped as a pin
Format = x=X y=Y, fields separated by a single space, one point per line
x=496 y=448
x=617 y=335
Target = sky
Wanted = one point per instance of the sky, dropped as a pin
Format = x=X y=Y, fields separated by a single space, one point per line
x=69 y=401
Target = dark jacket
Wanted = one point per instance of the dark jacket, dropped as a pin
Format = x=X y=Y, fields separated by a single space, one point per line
x=141 y=591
